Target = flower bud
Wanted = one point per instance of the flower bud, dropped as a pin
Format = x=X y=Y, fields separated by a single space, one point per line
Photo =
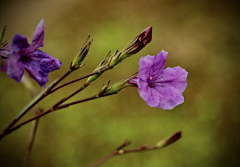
x=135 y=46
x=2 y=34
x=116 y=87
x=169 y=140
x=4 y=47
x=76 y=64
x=138 y=44
x=93 y=77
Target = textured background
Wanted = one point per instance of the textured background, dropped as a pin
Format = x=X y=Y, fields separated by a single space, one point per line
x=201 y=36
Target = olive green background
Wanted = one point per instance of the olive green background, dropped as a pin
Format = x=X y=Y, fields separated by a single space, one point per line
x=202 y=37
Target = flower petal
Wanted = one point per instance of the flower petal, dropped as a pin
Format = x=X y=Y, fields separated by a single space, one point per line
x=159 y=64
x=15 y=68
x=145 y=67
x=147 y=93
x=40 y=64
x=38 y=37
x=175 y=77
x=19 y=43
x=169 y=97
x=47 y=62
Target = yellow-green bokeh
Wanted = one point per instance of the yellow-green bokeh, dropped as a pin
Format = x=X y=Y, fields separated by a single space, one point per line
x=201 y=36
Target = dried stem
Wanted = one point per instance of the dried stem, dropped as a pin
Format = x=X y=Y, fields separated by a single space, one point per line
x=120 y=151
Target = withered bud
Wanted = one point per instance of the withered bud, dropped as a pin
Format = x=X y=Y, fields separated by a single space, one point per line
x=137 y=44
x=169 y=140
x=142 y=40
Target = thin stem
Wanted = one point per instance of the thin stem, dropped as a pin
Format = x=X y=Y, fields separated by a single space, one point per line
x=35 y=101
x=75 y=80
x=120 y=151
x=53 y=109
x=60 y=79
x=31 y=141
x=112 y=154
x=32 y=136
x=4 y=132
x=71 y=95
x=105 y=159
x=43 y=95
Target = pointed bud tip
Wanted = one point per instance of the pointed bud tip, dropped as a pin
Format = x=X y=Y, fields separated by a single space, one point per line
x=149 y=28
x=146 y=36
x=170 y=139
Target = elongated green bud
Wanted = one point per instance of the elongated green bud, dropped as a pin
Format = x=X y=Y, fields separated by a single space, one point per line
x=2 y=34
x=116 y=87
x=76 y=64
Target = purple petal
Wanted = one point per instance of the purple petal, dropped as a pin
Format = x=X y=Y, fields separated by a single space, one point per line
x=15 y=69
x=169 y=97
x=147 y=94
x=40 y=64
x=38 y=37
x=159 y=64
x=175 y=77
x=19 y=43
x=47 y=62
x=145 y=67
x=36 y=74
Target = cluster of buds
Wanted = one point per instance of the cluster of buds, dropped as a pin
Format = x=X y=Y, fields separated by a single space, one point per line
x=135 y=46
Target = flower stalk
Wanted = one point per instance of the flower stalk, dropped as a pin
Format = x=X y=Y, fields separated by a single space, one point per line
x=121 y=151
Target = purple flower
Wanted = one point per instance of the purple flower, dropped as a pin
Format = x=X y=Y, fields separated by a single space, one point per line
x=160 y=88
x=25 y=56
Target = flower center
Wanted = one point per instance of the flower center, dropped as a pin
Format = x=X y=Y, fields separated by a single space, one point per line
x=150 y=84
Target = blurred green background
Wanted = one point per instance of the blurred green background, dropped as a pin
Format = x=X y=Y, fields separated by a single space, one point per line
x=201 y=36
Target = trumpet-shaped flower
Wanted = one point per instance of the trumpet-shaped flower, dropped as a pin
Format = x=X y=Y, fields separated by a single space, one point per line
x=160 y=88
x=25 y=56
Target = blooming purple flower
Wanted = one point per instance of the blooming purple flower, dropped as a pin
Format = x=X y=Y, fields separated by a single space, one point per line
x=25 y=56
x=160 y=88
